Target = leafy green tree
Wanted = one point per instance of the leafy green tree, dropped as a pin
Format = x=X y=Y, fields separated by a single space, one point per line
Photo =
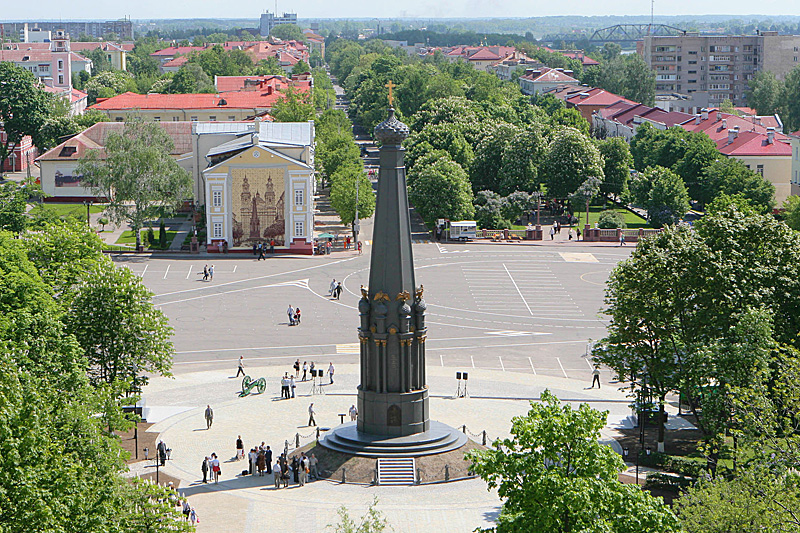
x=24 y=108
x=610 y=51
x=446 y=137
x=667 y=199
x=216 y=61
x=337 y=151
x=791 y=212
x=610 y=219
x=287 y=32
x=343 y=193
x=137 y=175
x=617 y=164
x=554 y=475
x=191 y=78
x=630 y=77
x=516 y=204
x=122 y=334
x=100 y=61
x=790 y=101
x=440 y=189
x=519 y=165
x=267 y=67
x=489 y=211
x=730 y=176
x=570 y=160
x=549 y=103
x=372 y=521
x=585 y=192
x=764 y=93
x=485 y=169
x=301 y=67
x=13 y=203
x=108 y=84
x=295 y=106
x=571 y=118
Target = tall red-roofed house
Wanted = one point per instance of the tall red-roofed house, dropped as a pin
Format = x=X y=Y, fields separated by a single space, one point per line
x=536 y=81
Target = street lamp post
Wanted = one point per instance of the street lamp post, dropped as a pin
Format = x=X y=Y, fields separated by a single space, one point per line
x=88 y=204
x=355 y=220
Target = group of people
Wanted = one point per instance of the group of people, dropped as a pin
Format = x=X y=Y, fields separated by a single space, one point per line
x=287 y=385
x=260 y=459
x=260 y=249
x=294 y=315
x=211 y=468
x=208 y=273
x=335 y=289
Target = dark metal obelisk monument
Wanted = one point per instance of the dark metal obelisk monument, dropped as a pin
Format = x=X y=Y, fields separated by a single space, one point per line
x=393 y=415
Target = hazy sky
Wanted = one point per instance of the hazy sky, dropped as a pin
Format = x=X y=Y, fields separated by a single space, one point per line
x=143 y=9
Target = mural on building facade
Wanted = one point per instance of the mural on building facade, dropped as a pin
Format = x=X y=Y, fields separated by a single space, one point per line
x=258 y=206
x=69 y=179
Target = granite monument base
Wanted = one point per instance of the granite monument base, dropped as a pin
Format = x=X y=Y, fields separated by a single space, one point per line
x=439 y=438
x=394 y=414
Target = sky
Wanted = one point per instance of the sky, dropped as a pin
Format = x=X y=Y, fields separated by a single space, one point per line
x=147 y=9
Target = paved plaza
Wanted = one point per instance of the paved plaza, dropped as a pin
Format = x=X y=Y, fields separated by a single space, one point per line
x=516 y=317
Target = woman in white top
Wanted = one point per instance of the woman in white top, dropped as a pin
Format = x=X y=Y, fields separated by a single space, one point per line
x=215 y=467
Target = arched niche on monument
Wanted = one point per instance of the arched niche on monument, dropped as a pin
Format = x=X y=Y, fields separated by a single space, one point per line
x=393 y=416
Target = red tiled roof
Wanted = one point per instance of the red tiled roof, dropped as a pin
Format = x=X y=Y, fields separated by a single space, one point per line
x=717 y=129
x=175 y=50
x=751 y=143
x=235 y=100
x=176 y=61
x=226 y=84
x=583 y=58
x=595 y=97
x=484 y=55
x=94 y=138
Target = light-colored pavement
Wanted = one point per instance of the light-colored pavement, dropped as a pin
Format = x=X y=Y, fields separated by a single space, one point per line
x=252 y=504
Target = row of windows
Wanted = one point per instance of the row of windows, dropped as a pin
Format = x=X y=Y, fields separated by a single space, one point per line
x=212 y=118
x=299 y=229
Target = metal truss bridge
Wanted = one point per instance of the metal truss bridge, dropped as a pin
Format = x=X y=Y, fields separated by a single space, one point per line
x=623 y=33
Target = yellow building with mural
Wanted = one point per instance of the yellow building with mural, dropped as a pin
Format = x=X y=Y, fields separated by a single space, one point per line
x=260 y=189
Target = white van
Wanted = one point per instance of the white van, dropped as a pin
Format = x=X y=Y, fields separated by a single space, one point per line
x=463 y=230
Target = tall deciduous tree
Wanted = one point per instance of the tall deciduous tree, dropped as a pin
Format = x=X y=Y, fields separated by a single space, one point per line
x=441 y=189
x=629 y=76
x=343 y=193
x=617 y=164
x=122 y=334
x=24 y=107
x=555 y=476
x=764 y=93
x=137 y=174
x=667 y=200
x=295 y=106
x=570 y=160
x=730 y=176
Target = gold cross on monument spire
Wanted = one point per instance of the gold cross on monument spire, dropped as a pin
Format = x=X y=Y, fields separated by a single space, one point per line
x=391 y=86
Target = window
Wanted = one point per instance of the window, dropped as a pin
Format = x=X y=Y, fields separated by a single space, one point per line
x=760 y=169
x=216 y=198
x=118 y=119
x=212 y=118
x=217 y=230
x=61 y=79
x=157 y=119
x=60 y=64
x=298 y=197
x=231 y=118
x=298 y=228
x=194 y=119
x=175 y=119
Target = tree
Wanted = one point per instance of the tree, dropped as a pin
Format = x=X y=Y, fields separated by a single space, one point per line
x=372 y=521
x=764 y=93
x=343 y=193
x=572 y=118
x=570 y=160
x=610 y=219
x=791 y=212
x=667 y=200
x=555 y=476
x=617 y=164
x=610 y=51
x=585 y=192
x=137 y=175
x=287 y=32
x=100 y=61
x=301 y=67
x=732 y=177
x=122 y=334
x=790 y=100
x=13 y=203
x=440 y=189
x=489 y=210
x=191 y=78
x=295 y=106
x=109 y=83
x=24 y=108
x=630 y=77
x=515 y=204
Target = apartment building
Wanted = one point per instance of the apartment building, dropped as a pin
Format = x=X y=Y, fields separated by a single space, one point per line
x=123 y=28
x=720 y=65
x=270 y=20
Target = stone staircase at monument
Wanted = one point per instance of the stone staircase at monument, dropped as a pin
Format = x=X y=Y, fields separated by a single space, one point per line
x=396 y=471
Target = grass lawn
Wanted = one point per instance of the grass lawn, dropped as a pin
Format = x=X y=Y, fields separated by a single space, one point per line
x=633 y=220
x=128 y=237
x=64 y=210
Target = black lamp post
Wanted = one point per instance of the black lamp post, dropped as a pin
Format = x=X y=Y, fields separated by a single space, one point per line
x=88 y=204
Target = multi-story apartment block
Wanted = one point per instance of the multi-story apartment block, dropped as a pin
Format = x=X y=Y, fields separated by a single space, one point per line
x=270 y=20
x=122 y=28
x=720 y=65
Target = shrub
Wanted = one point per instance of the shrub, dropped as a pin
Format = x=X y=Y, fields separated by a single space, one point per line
x=611 y=220
x=151 y=237
x=162 y=236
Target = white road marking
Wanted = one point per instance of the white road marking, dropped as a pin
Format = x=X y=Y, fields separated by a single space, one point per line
x=573 y=257
x=352 y=348
x=234 y=269
x=472 y=361
x=518 y=291
x=167 y=272
x=145 y=269
x=190 y=272
x=562 y=367
x=510 y=333
x=531 y=362
x=302 y=283
x=441 y=359
x=501 y=363
x=588 y=363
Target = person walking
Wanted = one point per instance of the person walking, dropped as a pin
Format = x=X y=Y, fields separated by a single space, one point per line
x=305 y=369
x=353 y=413
x=187 y=509
x=204 y=469
x=240 y=370
x=359 y=247
x=209 y=416
x=311 y=413
x=292 y=384
x=290 y=313
x=330 y=372
x=552 y=233
x=205 y=273
x=296 y=367
x=621 y=239
x=211 y=273
x=311 y=368
x=332 y=288
x=297 y=315
x=570 y=233
x=193 y=517
x=596 y=376
x=578 y=233
x=239 y=448
x=276 y=473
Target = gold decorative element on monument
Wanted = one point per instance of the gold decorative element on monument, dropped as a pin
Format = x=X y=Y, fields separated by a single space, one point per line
x=392 y=330
x=382 y=296
x=403 y=296
x=420 y=291
x=364 y=293
x=391 y=86
x=373 y=329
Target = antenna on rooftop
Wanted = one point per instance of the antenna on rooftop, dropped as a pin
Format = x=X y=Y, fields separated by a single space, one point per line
x=652 y=10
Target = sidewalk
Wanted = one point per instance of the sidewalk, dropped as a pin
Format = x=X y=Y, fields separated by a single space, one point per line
x=248 y=503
